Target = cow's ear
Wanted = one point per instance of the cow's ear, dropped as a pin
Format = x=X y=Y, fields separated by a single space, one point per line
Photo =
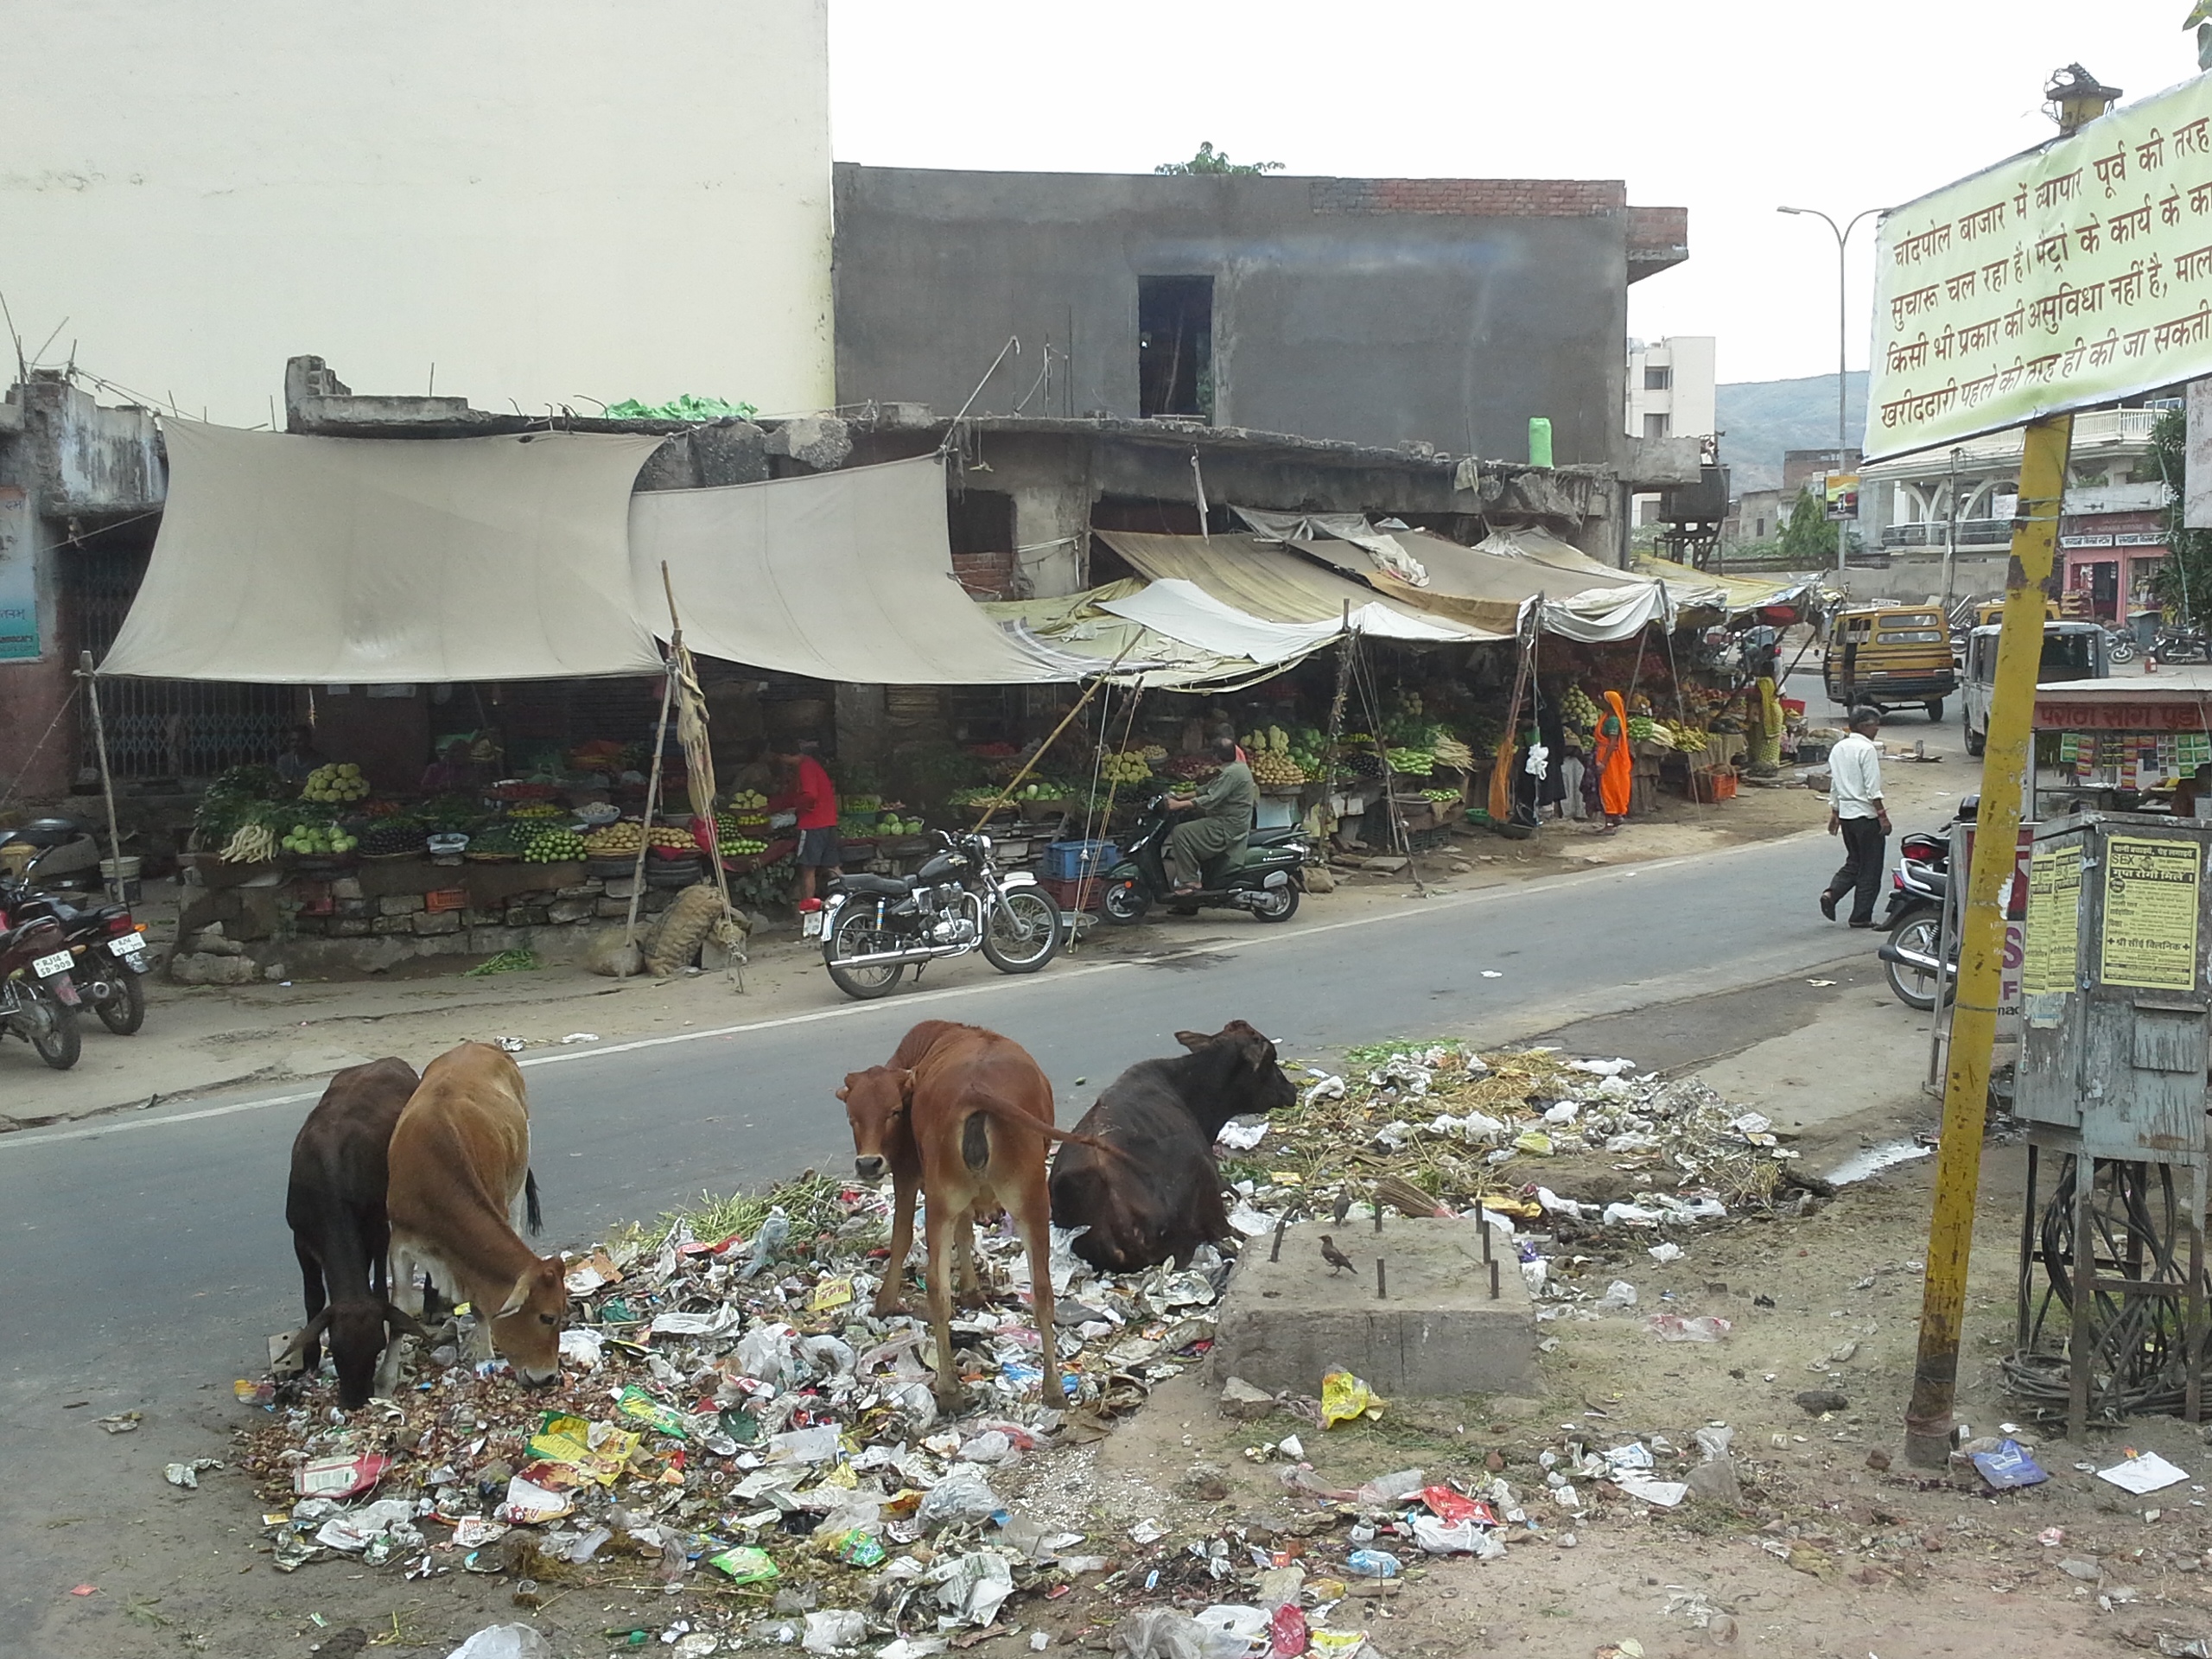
x=845 y=1094
x=906 y=1087
x=518 y=1296
x=1194 y=1041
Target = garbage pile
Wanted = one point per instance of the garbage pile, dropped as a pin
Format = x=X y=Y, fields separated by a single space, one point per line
x=732 y=1417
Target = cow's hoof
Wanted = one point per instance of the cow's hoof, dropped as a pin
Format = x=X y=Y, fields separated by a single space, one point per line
x=973 y=1300
x=885 y=1310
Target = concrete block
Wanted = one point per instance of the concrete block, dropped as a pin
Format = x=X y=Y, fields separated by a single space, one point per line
x=612 y=910
x=621 y=887
x=352 y=906
x=526 y=916
x=1285 y=1324
x=474 y=918
x=444 y=921
x=590 y=887
x=349 y=927
x=562 y=912
x=391 y=924
x=346 y=887
x=194 y=968
x=399 y=903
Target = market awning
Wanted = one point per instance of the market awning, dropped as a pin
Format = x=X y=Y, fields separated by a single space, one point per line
x=337 y=561
x=1185 y=611
x=1076 y=632
x=843 y=575
x=1274 y=584
x=1486 y=588
x=1743 y=595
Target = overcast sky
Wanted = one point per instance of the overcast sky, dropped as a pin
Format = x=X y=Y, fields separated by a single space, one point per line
x=1727 y=109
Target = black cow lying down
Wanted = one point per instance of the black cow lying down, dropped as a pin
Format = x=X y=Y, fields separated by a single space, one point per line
x=1161 y=1198
x=335 y=1205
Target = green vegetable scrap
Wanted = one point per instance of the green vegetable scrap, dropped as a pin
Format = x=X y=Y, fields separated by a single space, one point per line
x=688 y=407
x=507 y=962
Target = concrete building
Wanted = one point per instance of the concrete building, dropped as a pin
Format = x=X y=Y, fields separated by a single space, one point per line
x=579 y=200
x=1671 y=387
x=2110 y=536
x=1443 y=313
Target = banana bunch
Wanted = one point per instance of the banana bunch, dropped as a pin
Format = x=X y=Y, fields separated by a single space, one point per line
x=1129 y=766
x=335 y=784
x=1690 y=742
x=254 y=843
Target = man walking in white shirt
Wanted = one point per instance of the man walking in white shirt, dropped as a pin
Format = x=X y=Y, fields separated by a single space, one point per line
x=1856 y=812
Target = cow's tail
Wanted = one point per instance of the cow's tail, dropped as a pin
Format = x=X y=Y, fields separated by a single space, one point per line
x=536 y=1217
x=1004 y=1112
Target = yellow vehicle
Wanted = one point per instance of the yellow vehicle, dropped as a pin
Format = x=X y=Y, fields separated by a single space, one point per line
x=1990 y=614
x=1891 y=656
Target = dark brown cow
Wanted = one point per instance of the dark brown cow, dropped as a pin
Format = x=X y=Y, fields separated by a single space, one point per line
x=962 y=1115
x=336 y=1205
x=460 y=1169
x=1160 y=1196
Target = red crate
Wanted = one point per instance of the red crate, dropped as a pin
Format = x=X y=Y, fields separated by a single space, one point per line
x=445 y=899
x=1071 y=895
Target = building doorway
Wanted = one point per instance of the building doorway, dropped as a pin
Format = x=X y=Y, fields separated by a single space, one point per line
x=1175 y=347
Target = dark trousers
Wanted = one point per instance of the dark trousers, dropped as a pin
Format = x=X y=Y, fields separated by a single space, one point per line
x=1863 y=867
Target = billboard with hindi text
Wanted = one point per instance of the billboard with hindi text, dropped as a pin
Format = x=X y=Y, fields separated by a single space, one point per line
x=2076 y=274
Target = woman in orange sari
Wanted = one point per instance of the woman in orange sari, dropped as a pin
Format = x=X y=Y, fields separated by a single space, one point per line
x=1615 y=768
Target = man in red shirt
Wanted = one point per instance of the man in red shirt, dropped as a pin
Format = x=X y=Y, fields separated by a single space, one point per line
x=812 y=799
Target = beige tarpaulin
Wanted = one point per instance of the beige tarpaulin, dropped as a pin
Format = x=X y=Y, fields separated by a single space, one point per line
x=844 y=575
x=337 y=561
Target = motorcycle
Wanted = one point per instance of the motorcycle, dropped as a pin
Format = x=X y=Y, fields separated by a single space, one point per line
x=1914 y=917
x=873 y=928
x=64 y=854
x=2180 y=645
x=2122 y=648
x=38 y=999
x=109 y=948
x=1264 y=882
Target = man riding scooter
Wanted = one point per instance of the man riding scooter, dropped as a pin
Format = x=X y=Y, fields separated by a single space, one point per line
x=1223 y=824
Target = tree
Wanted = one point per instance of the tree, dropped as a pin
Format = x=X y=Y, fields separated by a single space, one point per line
x=1809 y=540
x=2183 y=582
x=1211 y=160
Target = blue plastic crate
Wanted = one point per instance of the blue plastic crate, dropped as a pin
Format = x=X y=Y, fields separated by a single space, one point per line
x=1072 y=861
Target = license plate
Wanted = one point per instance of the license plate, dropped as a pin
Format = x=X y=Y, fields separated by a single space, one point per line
x=810 y=926
x=47 y=967
x=128 y=946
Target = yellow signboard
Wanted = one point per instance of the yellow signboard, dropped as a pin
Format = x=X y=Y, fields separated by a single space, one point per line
x=2150 y=932
x=2078 y=273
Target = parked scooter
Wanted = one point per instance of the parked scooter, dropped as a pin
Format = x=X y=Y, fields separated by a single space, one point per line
x=1264 y=881
x=1914 y=915
x=108 y=946
x=38 y=1001
x=65 y=857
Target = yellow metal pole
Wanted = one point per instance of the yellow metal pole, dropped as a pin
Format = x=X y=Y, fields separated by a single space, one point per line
x=1981 y=943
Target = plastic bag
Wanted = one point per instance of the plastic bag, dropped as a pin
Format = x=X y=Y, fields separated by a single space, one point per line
x=505 y=1642
x=1672 y=1327
x=1234 y=1632
x=1287 y=1632
x=964 y=1494
x=974 y=1587
x=1386 y=1489
x=1159 y=1633
x=765 y=1353
x=1345 y=1398
x=831 y=1628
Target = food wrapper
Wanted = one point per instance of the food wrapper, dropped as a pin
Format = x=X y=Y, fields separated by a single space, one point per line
x=1335 y=1645
x=1450 y=1506
x=338 y=1476
x=570 y=1440
x=744 y=1565
x=829 y=1294
x=1346 y=1398
x=641 y=1407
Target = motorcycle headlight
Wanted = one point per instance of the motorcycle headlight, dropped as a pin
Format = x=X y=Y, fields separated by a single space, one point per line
x=984 y=841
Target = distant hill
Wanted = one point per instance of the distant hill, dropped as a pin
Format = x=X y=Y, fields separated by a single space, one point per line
x=1761 y=418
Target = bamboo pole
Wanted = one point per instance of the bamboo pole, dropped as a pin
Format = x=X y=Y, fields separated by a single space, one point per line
x=107 y=778
x=1030 y=764
x=653 y=795
x=1981 y=946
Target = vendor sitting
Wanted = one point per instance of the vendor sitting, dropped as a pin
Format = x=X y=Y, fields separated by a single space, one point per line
x=1224 y=821
x=455 y=773
x=2193 y=794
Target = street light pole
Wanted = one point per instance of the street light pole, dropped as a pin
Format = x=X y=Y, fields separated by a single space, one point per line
x=1951 y=537
x=1842 y=344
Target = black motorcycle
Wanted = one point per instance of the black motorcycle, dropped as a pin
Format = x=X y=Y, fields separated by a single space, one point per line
x=2175 y=646
x=108 y=949
x=873 y=928
x=1914 y=917
x=38 y=999
x=62 y=855
x=1263 y=881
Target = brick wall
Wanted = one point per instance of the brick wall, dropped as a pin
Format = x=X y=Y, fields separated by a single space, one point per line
x=1658 y=231
x=1475 y=198
x=985 y=575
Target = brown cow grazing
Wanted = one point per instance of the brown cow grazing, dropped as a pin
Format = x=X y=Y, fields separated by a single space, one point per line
x=962 y=1113
x=1159 y=1199
x=335 y=1206
x=459 y=1169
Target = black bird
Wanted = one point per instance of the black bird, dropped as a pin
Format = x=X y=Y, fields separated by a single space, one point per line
x=1343 y=1207
x=1337 y=1260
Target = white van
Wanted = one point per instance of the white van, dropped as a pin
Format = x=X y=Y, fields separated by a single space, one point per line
x=2071 y=651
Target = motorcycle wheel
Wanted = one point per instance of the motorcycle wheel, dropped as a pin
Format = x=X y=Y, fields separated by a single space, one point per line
x=857 y=935
x=55 y=1037
x=1277 y=904
x=1124 y=903
x=2122 y=653
x=1022 y=932
x=1922 y=935
x=125 y=1011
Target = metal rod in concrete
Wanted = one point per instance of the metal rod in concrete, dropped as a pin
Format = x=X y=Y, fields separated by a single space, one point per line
x=1493 y=1281
x=1275 y=1253
x=1378 y=1209
x=1382 y=1283
x=1484 y=1220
